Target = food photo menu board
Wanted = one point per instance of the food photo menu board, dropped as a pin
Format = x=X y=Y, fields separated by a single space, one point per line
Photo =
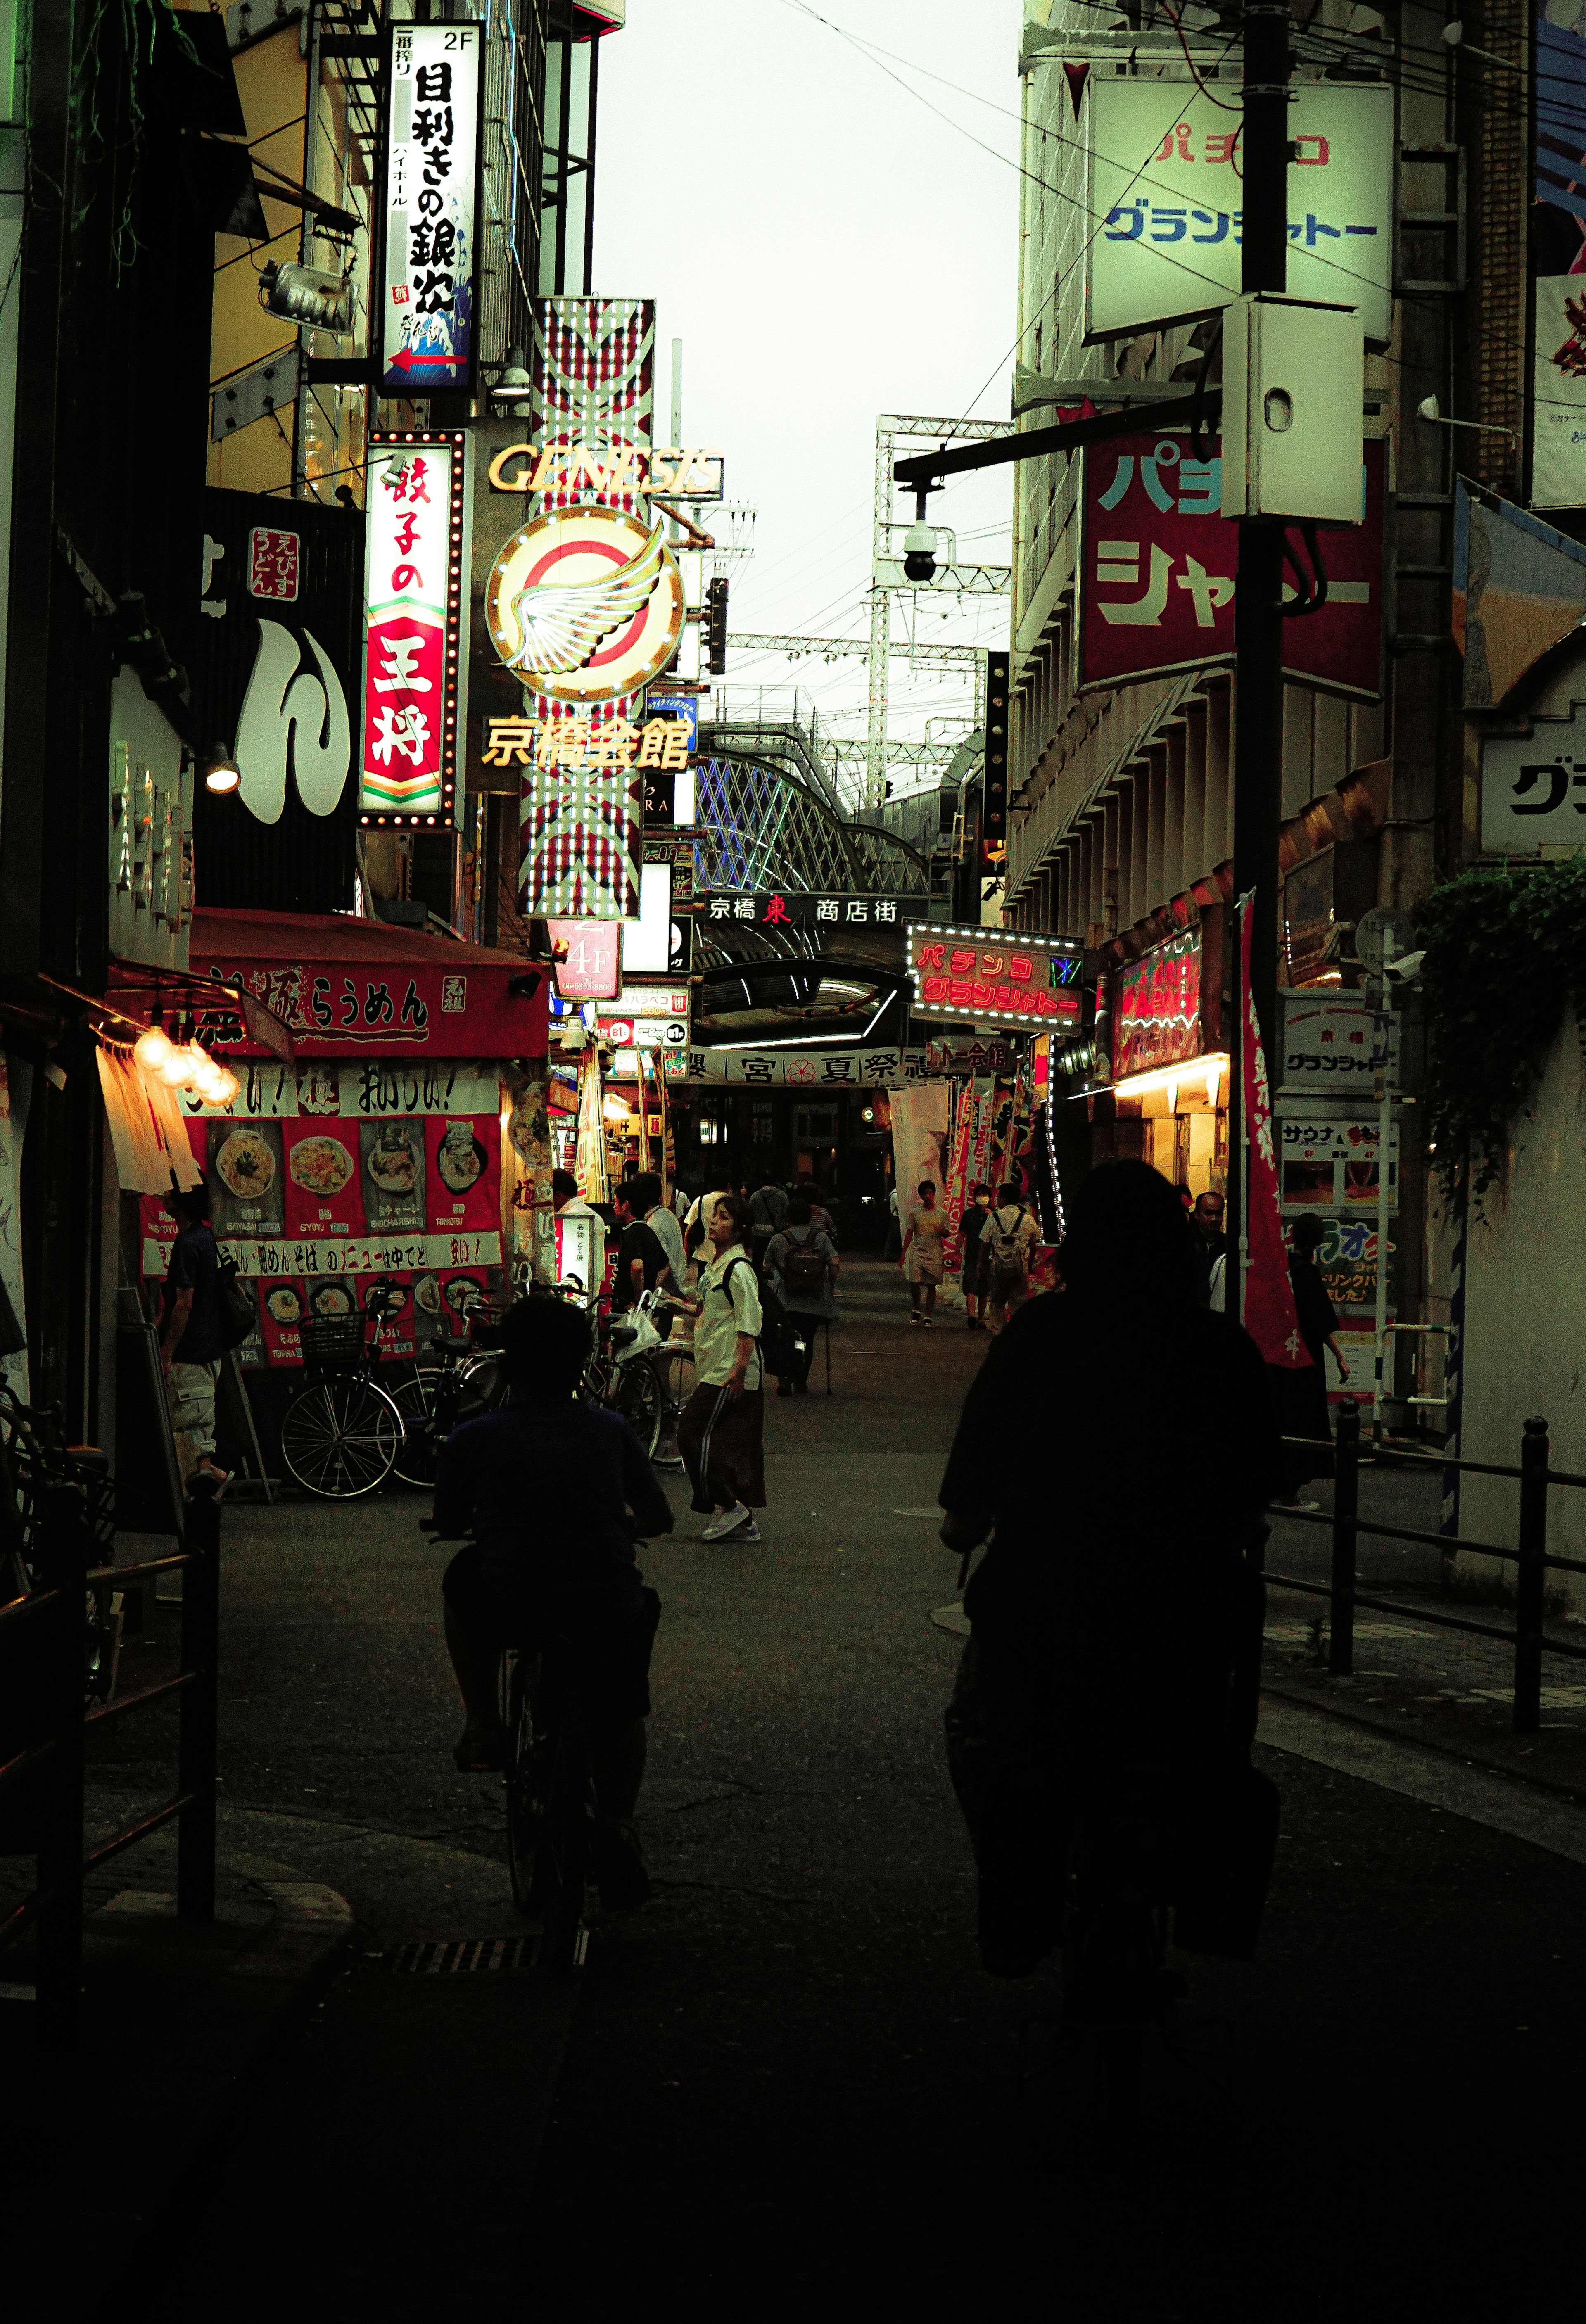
x=328 y=1180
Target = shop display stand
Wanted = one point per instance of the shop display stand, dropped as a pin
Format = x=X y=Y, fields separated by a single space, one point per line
x=256 y=1483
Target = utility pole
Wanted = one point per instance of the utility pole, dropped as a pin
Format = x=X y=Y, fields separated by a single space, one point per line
x=1258 y=749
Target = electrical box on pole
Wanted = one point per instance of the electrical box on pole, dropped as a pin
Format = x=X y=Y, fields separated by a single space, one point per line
x=1292 y=377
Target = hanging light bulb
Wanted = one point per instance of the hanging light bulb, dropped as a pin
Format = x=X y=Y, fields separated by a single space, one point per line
x=229 y=1085
x=175 y=1069
x=152 y=1047
x=207 y=1079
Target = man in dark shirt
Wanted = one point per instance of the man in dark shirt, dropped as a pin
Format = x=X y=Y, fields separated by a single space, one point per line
x=641 y=1258
x=546 y=1563
x=192 y=1332
x=1210 y=1242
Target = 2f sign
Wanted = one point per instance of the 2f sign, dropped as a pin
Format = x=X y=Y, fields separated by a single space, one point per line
x=1166 y=194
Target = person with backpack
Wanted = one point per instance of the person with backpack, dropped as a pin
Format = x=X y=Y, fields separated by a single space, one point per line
x=195 y=1329
x=1006 y=1242
x=801 y=1268
x=971 y=1228
x=720 y=1430
x=767 y=1209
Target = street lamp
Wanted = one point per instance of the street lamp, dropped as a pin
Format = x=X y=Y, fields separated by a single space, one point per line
x=219 y=768
x=513 y=392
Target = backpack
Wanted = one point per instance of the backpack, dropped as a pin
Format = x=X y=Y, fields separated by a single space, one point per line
x=1005 y=1250
x=803 y=1269
x=239 y=1315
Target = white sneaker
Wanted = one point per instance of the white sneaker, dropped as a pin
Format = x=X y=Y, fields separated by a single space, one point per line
x=727 y=1523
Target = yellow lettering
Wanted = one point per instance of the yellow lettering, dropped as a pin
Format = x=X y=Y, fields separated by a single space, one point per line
x=518 y=483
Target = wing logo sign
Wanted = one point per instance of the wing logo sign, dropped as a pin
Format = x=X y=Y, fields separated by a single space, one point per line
x=586 y=604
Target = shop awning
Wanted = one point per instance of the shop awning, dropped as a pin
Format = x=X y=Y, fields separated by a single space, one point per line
x=346 y=987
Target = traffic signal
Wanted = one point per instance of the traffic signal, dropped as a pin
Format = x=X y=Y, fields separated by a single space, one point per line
x=994 y=793
x=715 y=626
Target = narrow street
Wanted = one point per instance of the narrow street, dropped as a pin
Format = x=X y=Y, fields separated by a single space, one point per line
x=786 y=2084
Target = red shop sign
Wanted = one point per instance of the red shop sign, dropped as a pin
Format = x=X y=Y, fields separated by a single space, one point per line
x=983 y=972
x=1159 y=1018
x=1159 y=569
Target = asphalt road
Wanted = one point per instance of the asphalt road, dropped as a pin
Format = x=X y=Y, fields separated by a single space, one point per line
x=786 y=2085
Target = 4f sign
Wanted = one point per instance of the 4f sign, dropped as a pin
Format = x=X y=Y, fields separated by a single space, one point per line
x=428 y=327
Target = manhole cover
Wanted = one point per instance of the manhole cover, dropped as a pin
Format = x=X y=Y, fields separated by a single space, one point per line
x=460 y=1955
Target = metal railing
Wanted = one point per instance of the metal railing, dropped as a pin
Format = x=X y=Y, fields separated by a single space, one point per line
x=1530 y=1557
x=43 y=1638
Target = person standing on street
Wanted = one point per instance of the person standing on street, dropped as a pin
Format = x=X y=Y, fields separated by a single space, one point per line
x=802 y=1266
x=921 y=1259
x=721 y=1430
x=768 y=1209
x=1300 y=1399
x=663 y=1223
x=971 y=1226
x=641 y=1259
x=192 y=1332
x=1210 y=1243
x=1006 y=1240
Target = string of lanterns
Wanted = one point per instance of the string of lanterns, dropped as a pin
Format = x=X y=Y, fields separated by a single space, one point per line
x=185 y=1066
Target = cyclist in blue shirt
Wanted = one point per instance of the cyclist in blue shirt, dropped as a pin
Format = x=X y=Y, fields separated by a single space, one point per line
x=554 y=1493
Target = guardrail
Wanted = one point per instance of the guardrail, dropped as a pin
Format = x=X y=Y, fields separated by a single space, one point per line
x=1530 y=1557
x=42 y=1647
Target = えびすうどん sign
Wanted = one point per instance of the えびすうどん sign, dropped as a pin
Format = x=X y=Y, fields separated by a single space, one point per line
x=982 y=973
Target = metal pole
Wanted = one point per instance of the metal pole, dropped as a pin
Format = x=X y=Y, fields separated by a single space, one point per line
x=1530 y=1575
x=1346 y=1502
x=63 y=1562
x=881 y=628
x=1258 y=694
x=1384 y=1141
x=197 y=1736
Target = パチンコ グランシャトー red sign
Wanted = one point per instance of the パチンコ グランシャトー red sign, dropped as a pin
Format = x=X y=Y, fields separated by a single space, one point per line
x=985 y=973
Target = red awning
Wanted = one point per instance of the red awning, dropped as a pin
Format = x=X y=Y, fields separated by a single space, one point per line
x=346 y=986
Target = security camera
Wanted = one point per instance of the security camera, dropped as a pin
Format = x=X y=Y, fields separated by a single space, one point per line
x=1406 y=970
x=919 y=552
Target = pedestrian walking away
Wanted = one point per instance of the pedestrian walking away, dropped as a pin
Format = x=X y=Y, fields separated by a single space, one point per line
x=921 y=1259
x=1210 y=1243
x=193 y=1334
x=720 y=1432
x=802 y=1266
x=971 y=1227
x=1300 y=1398
x=1107 y=1625
x=768 y=1211
x=1006 y=1238
x=522 y=1578
x=641 y=1258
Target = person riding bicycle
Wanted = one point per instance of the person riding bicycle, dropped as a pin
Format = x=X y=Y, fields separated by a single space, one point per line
x=554 y=1493
x=1119 y=1445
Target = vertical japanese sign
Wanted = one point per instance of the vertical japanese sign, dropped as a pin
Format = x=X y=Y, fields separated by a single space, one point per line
x=1159 y=568
x=957 y=1187
x=428 y=330
x=581 y=845
x=412 y=586
x=1558 y=262
x=1167 y=190
x=1269 y=1314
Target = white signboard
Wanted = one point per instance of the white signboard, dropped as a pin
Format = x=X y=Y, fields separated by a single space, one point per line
x=879 y=1068
x=1327 y=1046
x=1534 y=788
x=1166 y=195
x=1558 y=400
x=1328 y=1161
x=411 y=562
x=427 y=325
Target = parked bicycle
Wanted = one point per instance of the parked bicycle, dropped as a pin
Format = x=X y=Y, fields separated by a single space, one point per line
x=633 y=1371
x=342 y=1431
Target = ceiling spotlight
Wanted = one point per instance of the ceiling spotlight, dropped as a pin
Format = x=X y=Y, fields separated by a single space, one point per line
x=219 y=768
x=309 y=295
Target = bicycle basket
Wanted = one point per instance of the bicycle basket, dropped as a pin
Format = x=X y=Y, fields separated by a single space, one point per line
x=334 y=1343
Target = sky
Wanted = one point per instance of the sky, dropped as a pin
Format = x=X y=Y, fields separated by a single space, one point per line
x=828 y=248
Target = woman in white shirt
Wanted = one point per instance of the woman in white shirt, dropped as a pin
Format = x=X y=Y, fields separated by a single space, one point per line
x=720 y=1432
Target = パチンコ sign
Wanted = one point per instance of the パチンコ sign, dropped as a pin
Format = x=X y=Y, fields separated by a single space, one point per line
x=986 y=973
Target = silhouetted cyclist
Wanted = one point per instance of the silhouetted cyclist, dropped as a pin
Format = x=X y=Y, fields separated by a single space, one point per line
x=1119 y=1445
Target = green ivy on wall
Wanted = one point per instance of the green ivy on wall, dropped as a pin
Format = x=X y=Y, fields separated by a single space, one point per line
x=1505 y=954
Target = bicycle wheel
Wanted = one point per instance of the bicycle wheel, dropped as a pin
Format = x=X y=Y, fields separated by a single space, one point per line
x=639 y=1398
x=340 y=1438
x=561 y=1856
x=420 y=1399
x=525 y=1808
x=675 y=1364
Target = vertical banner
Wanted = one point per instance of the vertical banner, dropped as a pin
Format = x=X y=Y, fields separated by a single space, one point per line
x=1269 y=1313
x=1557 y=245
x=412 y=598
x=920 y=1122
x=428 y=326
x=985 y=1107
x=957 y=1187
